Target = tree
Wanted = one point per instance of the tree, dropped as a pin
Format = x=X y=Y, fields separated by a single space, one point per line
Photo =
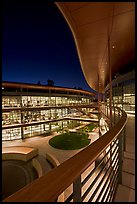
x=38 y=83
x=50 y=82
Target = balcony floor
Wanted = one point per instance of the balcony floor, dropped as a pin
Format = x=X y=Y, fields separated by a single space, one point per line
x=126 y=190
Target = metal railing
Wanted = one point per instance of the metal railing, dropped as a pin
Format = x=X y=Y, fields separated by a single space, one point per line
x=101 y=161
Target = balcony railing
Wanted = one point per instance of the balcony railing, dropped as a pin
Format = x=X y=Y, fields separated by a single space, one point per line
x=91 y=175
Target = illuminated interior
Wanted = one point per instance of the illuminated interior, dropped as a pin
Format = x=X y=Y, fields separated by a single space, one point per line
x=123 y=92
x=37 y=113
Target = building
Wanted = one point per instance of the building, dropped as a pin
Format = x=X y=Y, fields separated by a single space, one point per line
x=30 y=109
x=123 y=92
x=104 y=34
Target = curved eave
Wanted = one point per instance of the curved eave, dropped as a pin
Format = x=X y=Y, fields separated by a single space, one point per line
x=91 y=23
x=44 y=87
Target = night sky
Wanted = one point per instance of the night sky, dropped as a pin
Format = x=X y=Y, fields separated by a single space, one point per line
x=37 y=45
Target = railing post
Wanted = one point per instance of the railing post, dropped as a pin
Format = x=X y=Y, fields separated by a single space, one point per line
x=77 y=190
x=122 y=145
x=114 y=116
x=123 y=142
x=107 y=110
x=124 y=138
x=118 y=115
x=120 y=160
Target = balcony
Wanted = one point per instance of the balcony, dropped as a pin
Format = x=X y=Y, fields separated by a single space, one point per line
x=105 y=164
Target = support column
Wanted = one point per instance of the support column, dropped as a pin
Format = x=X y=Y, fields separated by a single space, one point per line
x=98 y=99
x=110 y=83
x=22 y=132
x=122 y=94
x=21 y=115
x=99 y=107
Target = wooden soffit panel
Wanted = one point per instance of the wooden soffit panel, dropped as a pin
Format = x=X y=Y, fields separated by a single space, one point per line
x=91 y=24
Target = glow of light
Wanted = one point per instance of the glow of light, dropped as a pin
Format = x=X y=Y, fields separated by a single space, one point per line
x=2 y=87
x=113 y=46
x=127 y=94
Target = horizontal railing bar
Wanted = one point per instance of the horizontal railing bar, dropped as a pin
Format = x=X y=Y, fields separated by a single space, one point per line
x=112 y=192
x=93 y=195
x=97 y=177
x=114 y=181
x=109 y=191
x=111 y=182
x=69 y=198
x=93 y=182
x=107 y=181
x=93 y=171
x=64 y=174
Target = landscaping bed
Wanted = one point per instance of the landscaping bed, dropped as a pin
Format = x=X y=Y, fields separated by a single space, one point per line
x=70 y=141
x=88 y=128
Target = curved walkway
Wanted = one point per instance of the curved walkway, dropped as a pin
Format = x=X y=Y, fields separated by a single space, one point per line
x=19 y=153
x=126 y=190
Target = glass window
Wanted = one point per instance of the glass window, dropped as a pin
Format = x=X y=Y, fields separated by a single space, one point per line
x=15 y=133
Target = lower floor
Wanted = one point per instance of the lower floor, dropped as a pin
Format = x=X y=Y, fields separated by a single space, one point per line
x=42 y=143
x=125 y=191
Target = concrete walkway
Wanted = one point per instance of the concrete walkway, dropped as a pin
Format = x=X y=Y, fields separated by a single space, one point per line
x=42 y=143
x=126 y=190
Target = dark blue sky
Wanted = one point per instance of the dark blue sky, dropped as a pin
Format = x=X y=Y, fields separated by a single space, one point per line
x=37 y=45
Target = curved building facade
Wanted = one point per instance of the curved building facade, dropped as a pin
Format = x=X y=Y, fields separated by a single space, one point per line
x=123 y=91
x=31 y=110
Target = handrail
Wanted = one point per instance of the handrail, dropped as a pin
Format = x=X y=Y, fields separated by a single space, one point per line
x=50 y=186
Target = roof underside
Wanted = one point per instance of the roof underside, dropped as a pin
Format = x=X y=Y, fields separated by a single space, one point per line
x=91 y=24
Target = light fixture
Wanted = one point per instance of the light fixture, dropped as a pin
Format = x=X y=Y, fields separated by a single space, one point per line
x=113 y=46
x=2 y=87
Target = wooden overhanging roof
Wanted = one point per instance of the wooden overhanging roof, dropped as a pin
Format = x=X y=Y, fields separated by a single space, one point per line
x=92 y=23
